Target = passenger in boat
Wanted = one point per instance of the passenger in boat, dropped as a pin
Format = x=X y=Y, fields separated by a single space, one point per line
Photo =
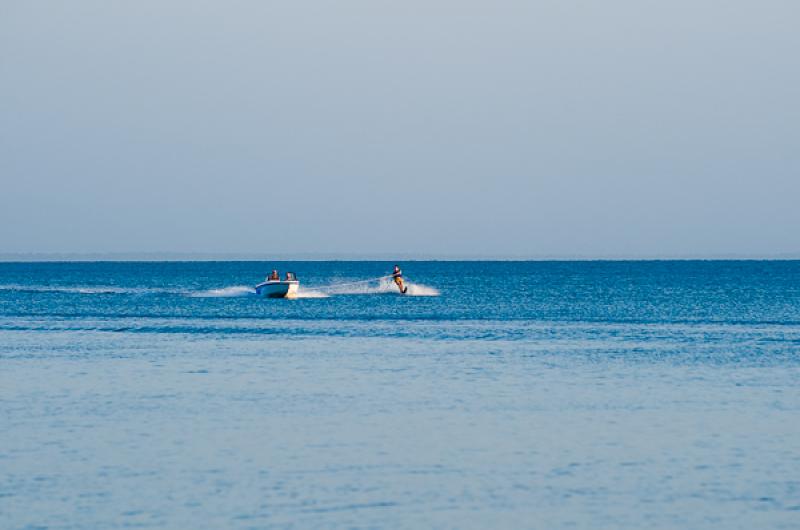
x=290 y=276
x=274 y=276
x=397 y=275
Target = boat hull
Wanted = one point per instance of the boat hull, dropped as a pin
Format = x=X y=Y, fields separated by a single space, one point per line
x=278 y=289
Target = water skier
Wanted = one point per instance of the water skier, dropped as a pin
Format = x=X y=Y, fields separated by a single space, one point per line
x=397 y=276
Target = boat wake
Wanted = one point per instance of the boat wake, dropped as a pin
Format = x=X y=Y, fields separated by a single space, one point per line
x=417 y=289
x=366 y=287
x=382 y=286
x=233 y=291
x=304 y=292
x=86 y=289
x=241 y=291
x=378 y=286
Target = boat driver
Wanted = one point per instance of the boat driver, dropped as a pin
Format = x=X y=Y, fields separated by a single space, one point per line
x=274 y=275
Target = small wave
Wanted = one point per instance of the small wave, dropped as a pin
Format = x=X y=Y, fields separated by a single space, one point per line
x=226 y=292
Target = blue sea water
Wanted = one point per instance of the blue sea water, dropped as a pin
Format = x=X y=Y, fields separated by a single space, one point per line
x=618 y=395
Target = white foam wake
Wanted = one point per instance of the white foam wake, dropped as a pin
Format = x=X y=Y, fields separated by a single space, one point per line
x=226 y=292
x=417 y=289
x=382 y=286
x=88 y=289
x=236 y=291
x=302 y=292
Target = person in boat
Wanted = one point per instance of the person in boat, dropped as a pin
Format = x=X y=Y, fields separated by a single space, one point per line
x=397 y=276
x=274 y=276
x=290 y=277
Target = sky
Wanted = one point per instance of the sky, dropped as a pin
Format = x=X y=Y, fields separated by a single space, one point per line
x=554 y=128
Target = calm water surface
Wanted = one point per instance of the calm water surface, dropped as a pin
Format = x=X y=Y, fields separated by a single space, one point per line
x=618 y=395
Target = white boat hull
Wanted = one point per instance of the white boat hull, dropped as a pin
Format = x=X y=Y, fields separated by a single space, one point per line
x=278 y=289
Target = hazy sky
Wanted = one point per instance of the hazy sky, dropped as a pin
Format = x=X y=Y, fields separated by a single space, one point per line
x=525 y=128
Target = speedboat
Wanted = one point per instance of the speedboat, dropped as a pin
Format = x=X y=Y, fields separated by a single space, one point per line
x=276 y=288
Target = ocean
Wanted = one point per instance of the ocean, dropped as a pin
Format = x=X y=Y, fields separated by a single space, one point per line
x=597 y=395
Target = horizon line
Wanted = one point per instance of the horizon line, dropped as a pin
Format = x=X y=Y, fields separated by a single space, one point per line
x=45 y=257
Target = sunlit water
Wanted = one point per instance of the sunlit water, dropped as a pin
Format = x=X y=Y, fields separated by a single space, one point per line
x=506 y=395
